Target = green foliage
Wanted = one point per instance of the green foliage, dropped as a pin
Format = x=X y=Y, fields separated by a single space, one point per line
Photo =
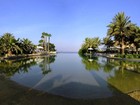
x=89 y=43
x=51 y=47
x=9 y=67
x=9 y=45
x=120 y=56
x=120 y=28
x=82 y=51
x=26 y=46
x=130 y=56
x=45 y=41
x=108 y=41
x=90 y=65
x=45 y=64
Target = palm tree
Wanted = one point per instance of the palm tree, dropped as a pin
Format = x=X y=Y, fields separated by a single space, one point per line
x=8 y=44
x=91 y=43
x=49 y=35
x=137 y=38
x=134 y=38
x=44 y=39
x=108 y=42
x=120 y=28
x=28 y=47
x=44 y=42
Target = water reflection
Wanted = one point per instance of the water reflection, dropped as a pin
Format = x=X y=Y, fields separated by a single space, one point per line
x=126 y=65
x=9 y=67
x=91 y=62
x=45 y=64
x=72 y=76
x=123 y=75
x=126 y=76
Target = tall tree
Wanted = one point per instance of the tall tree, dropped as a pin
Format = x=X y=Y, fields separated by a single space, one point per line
x=137 y=38
x=108 y=42
x=27 y=46
x=49 y=35
x=44 y=39
x=91 y=43
x=51 y=47
x=120 y=28
x=8 y=44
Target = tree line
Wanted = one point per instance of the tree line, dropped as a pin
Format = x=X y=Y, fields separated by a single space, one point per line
x=122 y=34
x=9 y=45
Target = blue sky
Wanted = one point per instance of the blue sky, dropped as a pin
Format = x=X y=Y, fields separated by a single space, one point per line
x=69 y=21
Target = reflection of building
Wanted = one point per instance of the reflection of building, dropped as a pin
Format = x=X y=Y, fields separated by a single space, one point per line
x=39 y=60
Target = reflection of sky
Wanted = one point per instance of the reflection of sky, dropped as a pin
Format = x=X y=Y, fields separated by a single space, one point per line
x=67 y=78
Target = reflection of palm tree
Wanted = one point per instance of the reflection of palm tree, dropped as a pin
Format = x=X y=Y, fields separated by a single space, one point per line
x=92 y=64
x=108 y=67
x=9 y=68
x=45 y=64
x=126 y=82
x=26 y=64
x=124 y=65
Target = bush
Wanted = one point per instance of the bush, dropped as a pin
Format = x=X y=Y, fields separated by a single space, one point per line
x=130 y=56
x=120 y=56
x=82 y=51
x=136 y=55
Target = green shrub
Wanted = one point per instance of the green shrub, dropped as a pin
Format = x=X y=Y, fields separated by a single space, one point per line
x=129 y=56
x=120 y=56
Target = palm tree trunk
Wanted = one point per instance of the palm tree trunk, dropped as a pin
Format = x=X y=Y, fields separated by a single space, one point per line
x=48 y=44
x=122 y=45
x=45 y=42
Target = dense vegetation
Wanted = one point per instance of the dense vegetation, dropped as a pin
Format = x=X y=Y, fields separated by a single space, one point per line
x=122 y=37
x=123 y=33
x=9 y=45
x=45 y=42
x=89 y=45
x=9 y=68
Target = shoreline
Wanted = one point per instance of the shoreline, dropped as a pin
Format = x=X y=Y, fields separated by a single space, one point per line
x=124 y=59
x=110 y=56
x=16 y=57
x=14 y=93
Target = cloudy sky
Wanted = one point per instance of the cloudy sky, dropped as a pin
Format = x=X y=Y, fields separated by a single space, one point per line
x=69 y=21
